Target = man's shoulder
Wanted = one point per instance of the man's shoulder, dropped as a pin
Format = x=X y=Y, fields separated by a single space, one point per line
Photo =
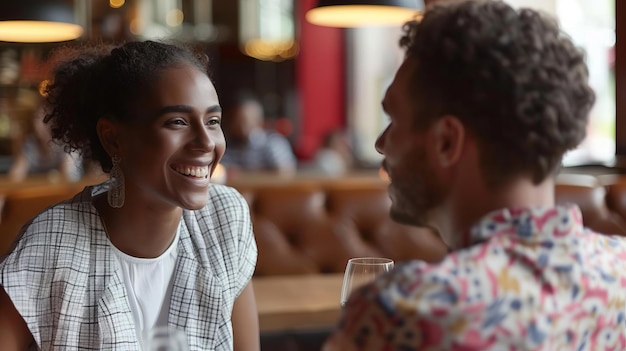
x=441 y=281
x=498 y=269
x=613 y=240
x=604 y=250
x=460 y=281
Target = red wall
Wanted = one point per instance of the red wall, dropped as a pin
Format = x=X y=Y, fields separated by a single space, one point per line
x=320 y=81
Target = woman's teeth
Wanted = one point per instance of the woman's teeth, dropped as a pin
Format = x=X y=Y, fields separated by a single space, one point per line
x=197 y=172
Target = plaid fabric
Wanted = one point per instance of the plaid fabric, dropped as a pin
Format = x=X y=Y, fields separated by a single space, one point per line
x=63 y=278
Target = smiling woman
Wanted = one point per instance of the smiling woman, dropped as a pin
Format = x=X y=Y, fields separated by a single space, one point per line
x=156 y=234
x=175 y=135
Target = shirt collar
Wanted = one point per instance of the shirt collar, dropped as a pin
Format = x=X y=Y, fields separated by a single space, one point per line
x=528 y=222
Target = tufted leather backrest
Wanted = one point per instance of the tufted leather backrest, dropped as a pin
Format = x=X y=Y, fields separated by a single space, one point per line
x=615 y=198
x=595 y=199
x=316 y=226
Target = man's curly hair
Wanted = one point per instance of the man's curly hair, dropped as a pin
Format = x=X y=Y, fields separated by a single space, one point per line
x=512 y=77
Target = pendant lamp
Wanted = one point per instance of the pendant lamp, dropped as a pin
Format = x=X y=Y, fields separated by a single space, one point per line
x=355 y=13
x=38 y=21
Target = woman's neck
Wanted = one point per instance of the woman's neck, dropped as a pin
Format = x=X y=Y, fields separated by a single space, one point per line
x=138 y=231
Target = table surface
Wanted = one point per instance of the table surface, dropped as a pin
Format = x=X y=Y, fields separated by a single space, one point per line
x=298 y=302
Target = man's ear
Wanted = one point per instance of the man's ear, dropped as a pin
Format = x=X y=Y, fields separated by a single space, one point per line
x=108 y=132
x=449 y=136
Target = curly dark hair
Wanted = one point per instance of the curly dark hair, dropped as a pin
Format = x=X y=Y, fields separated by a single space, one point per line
x=511 y=76
x=93 y=82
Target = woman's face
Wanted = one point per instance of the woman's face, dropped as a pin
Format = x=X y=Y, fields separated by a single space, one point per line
x=174 y=141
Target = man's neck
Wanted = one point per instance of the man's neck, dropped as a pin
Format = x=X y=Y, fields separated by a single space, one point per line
x=465 y=211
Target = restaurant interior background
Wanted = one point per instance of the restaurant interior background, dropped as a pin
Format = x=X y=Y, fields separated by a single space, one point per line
x=314 y=79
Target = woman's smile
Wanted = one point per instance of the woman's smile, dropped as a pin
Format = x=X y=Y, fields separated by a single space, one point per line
x=201 y=172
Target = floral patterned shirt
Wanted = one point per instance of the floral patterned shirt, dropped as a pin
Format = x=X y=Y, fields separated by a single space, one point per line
x=534 y=279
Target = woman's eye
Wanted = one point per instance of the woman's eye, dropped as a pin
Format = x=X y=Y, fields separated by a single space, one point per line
x=213 y=122
x=177 y=122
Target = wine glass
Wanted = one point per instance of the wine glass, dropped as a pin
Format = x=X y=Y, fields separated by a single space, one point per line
x=165 y=339
x=360 y=271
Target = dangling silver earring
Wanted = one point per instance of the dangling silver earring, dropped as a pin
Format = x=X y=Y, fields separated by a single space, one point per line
x=115 y=195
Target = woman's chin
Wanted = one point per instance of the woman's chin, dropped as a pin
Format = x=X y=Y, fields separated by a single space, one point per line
x=195 y=203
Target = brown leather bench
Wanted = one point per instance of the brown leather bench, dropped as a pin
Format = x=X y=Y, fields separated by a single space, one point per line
x=315 y=226
x=597 y=198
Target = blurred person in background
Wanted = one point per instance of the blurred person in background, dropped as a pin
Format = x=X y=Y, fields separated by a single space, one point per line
x=251 y=146
x=34 y=153
x=334 y=157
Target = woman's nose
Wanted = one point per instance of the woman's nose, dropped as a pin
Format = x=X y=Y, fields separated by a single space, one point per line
x=203 y=139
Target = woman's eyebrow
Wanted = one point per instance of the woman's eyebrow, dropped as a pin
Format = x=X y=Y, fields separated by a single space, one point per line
x=186 y=109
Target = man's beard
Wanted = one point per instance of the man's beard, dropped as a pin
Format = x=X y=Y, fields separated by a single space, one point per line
x=411 y=202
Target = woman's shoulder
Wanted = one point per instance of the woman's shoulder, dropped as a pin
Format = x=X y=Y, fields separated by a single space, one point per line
x=219 y=189
x=223 y=229
x=66 y=209
x=61 y=224
x=223 y=196
x=225 y=205
x=225 y=211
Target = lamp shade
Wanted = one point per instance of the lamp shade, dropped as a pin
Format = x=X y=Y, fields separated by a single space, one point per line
x=37 y=21
x=355 y=13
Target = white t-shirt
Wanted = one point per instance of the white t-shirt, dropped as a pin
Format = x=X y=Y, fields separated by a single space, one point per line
x=148 y=282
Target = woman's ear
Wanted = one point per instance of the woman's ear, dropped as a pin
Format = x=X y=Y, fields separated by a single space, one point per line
x=108 y=132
